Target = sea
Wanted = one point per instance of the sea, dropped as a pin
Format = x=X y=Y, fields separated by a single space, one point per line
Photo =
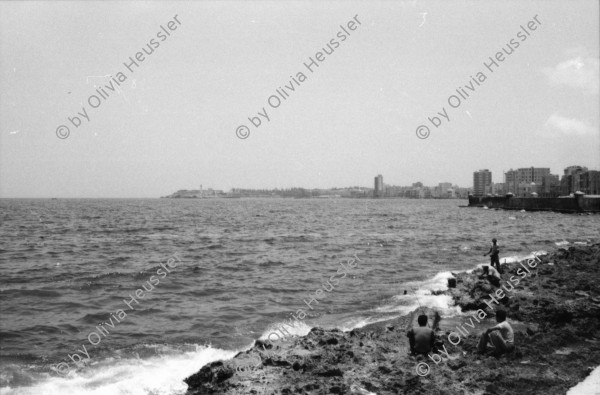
x=216 y=274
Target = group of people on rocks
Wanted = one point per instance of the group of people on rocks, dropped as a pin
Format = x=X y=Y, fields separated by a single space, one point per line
x=501 y=336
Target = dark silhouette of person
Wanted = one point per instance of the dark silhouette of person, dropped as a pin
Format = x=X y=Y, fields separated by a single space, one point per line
x=421 y=338
x=494 y=257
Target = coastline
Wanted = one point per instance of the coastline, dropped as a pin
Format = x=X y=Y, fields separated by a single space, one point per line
x=578 y=203
x=554 y=311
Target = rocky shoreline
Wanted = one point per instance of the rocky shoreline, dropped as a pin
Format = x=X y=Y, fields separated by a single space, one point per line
x=554 y=309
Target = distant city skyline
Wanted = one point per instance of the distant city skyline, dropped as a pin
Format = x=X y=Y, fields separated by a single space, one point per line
x=385 y=183
x=153 y=93
x=366 y=185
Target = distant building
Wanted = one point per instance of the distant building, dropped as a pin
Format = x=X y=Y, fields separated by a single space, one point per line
x=360 y=193
x=444 y=186
x=444 y=190
x=499 y=189
x=462 y=192
x=575 y=169
x=527 y=189
x=571 y=180
x=394 y=191
x=550 y=186
x=427 y=193
x=525 y=175
x=536 y=174
x=590 y=182
x=567 y=184
x=482 y=181
x=379 y=189
x=511 y=180
x=415 y=193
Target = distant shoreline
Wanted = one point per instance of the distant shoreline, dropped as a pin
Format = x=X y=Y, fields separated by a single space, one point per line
x=294 y=193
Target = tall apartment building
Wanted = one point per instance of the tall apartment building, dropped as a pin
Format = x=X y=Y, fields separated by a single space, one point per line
x=575 y=169
x=550 y=186
x=379 y=186
x=571 y=180
x=536 y=174
x=590 y=182
x=525 y=175
x=511 y=180
x=482 y=182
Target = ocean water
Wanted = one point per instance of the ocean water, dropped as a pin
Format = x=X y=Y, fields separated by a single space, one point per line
x=234 y=270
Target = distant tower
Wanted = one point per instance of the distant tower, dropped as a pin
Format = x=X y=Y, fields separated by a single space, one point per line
x=378 y=186
x=482 y=181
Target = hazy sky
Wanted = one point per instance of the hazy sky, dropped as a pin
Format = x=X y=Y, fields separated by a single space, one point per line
x=170 y=123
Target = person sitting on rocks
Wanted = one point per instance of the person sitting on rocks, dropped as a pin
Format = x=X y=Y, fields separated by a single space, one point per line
x=421 y=338
x=500 y=336
x=492 y=275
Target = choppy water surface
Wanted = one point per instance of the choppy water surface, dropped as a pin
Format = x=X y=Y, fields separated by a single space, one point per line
x=67 y=266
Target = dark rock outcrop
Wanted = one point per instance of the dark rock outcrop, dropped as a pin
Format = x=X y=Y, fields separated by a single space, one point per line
x=554 y=311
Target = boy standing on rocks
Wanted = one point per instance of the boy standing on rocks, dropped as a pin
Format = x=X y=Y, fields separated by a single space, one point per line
x=494 y=257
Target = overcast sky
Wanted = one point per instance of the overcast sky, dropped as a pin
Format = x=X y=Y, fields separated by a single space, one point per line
x=170 y=123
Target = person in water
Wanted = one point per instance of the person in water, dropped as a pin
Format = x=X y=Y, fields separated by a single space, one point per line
x=494 y=258
x=500 y=336
x=421 y=338
x=492 y=275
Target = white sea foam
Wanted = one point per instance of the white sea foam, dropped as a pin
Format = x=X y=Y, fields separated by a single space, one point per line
x=295 y=328
x=420 y=295
x=359 y=322
x=158 y=376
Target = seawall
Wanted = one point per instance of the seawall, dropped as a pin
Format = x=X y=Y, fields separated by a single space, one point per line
x=576 y=204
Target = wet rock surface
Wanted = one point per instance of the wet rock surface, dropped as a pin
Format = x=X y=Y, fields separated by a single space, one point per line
x=554 y=311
